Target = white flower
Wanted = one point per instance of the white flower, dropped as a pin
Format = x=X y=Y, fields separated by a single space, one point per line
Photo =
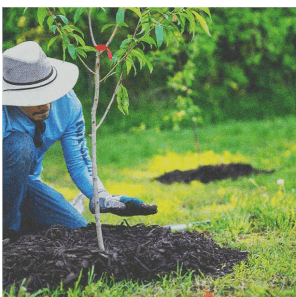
x=280 y=181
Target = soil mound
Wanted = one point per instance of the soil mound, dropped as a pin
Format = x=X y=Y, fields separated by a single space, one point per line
x=206 y=174
x=138 y=253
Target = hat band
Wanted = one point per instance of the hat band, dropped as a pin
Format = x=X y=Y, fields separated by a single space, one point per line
x=35 y=82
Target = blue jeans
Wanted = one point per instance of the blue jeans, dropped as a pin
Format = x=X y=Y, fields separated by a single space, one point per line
x=28 y=202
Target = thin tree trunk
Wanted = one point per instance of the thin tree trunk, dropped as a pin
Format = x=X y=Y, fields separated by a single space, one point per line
x=94 y=155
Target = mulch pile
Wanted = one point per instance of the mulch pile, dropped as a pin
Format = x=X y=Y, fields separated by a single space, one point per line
x=206 y=174
x=138 y=253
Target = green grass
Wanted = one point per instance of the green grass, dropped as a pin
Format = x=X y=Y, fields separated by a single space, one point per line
x=252 y=213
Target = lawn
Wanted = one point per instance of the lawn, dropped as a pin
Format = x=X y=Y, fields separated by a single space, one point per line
x=254 y=213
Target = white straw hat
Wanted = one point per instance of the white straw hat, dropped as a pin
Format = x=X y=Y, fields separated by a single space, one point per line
x=30 y=78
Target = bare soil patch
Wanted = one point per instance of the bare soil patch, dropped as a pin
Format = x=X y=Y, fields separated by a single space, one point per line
x=209 y=173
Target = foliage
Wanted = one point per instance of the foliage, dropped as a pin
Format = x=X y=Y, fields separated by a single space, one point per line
x=246 y=70
x=241 y=72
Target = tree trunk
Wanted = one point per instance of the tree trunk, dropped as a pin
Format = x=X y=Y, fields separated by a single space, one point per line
x=94 y=153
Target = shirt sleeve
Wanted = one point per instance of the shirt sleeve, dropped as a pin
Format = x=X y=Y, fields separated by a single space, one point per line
x=6 y=126
x=76 y=152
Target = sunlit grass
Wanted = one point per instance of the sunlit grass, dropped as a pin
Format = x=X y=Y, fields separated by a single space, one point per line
x=173 y=161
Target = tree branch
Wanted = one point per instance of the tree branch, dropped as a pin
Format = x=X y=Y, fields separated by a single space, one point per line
x=111 y=101
x=90 y=27
x=92 y=72
x=60 y=31
x=112 y=35
x=127 y=53
x=58 y=27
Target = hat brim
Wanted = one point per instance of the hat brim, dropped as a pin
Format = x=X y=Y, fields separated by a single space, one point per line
x=67 y=76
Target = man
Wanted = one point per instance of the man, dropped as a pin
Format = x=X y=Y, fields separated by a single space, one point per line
x=40 y=108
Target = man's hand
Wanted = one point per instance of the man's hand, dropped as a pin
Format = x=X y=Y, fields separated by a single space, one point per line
x=107 y=205
x=124 y=206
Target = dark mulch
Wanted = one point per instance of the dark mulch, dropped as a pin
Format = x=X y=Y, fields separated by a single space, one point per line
x=206 y=174
x=138 y=253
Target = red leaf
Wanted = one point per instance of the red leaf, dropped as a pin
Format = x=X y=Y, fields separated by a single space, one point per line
x=102 y=47
x=109 y=54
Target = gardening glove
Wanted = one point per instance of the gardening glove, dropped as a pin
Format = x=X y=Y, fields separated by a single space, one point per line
x=123 y=205
x=107 y=203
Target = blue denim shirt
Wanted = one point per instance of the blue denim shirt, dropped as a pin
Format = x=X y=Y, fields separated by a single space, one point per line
x=65 y=123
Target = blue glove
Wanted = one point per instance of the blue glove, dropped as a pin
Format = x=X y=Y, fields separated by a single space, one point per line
x=131 y=202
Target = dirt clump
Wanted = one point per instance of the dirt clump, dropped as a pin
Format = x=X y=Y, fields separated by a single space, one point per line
x=208 y=173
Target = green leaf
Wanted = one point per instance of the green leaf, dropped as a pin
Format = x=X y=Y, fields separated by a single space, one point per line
x=129 y=63
x=139 y=55
x=72 y=51
x=142 y=59
x=68 y=28
x=87 y=48
x=125 y=103
x=77 y=38
x=122 y=99
x=64 y=46
x=118 y=70
x=25 y=10
x=64 y=19
x=136 y=11
x=182 y=22
x=62 y=10
x=52 y=40
x=191 y=20
x=41 y=15
x=80 y=52
x=120 y=17
x=158 y=9
x=117 y=55
x=65 y=39
x=124 y=42
x=150 y=67
x=78 y=12
x=202 y=22
x=124 y=25
x=50 y=21
x=206 y=10
x=179 y=9
x=73 y=28
x=53 y=28
x=153 y=20
x=106 y=26
x=148 y=39
x=159 y=35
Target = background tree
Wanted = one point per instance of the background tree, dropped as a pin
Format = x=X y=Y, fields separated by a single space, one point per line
x=246 y=70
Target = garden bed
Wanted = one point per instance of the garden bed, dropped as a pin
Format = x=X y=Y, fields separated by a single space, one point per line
x=141 y=253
